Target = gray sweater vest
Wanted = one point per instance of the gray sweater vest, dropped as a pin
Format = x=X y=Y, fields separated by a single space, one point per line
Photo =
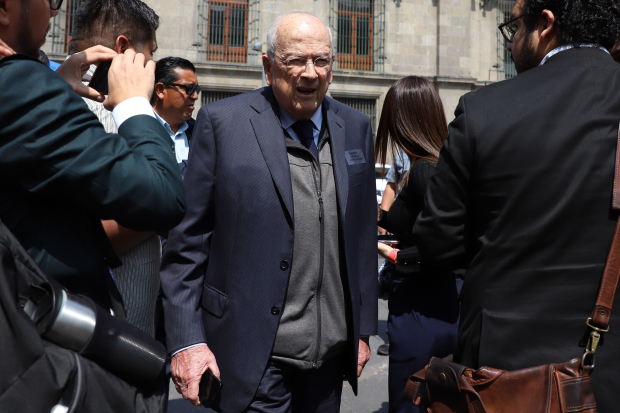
x=313 y=326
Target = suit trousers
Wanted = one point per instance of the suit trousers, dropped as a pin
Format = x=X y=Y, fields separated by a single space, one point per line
x=287 y=389
x=422 y=323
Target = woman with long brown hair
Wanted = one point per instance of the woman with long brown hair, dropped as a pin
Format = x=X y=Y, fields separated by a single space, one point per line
x=423 y=304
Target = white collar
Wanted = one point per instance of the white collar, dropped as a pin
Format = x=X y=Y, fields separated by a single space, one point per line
x=567 y=47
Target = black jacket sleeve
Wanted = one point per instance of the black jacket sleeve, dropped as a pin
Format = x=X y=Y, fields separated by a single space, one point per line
x=186 y=257
x=368 y=247
x=441 y=228
x=53 y=145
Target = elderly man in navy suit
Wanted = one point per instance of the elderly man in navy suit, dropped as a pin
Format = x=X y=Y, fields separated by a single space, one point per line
x=270 y=278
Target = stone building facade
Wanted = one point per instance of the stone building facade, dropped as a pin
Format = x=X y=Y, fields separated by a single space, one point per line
x=454 y=43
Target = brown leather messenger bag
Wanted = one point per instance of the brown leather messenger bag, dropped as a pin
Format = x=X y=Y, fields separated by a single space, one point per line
x=551 y=388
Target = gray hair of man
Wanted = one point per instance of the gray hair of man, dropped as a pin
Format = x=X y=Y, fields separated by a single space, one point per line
x=272 y=33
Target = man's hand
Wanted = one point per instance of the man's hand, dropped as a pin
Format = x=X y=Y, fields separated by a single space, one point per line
x=5 y=50
x=129 y=77
x=363 y=355
x=76 y=66
x=187 y=368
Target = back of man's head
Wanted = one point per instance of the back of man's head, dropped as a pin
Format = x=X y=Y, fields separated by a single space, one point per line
x=578 y=21
x=103 y=21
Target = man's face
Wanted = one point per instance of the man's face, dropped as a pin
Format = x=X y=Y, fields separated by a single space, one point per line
x=176 y=102
x=34 y=21
x=523 y=47
x=300 y=90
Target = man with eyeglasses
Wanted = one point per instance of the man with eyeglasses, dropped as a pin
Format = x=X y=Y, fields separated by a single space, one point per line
x=69 y=172
x=522 y=194
x=271 y=278
x=61 y=173
x=176 y=92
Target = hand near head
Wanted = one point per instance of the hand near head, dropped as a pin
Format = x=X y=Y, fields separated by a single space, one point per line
x=129 y=77
x=187 y=368
x=5 y=50
x=76 y=66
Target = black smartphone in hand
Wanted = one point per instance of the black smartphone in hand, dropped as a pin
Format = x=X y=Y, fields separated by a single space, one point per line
x=209 y=388
x=388 y=239
x=99 y=81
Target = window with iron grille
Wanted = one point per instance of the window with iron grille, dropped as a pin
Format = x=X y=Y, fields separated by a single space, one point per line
x=227 y=29
x=210 y=96
x=505 y=66
x=367 y=106
x=359 y=31
x=61 y=27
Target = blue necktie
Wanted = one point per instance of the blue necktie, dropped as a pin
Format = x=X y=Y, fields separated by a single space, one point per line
x=305 y=133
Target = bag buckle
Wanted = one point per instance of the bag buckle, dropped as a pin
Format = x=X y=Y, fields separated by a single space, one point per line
x=595 y=328
x=595 y=336
x=587 y=360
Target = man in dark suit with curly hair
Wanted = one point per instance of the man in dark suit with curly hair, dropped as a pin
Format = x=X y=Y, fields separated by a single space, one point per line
x=522 y=194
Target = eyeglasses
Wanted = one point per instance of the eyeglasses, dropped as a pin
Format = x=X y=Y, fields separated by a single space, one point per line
x=298 y=65
x=55 y=4
x=509 y=28
x=189 y=89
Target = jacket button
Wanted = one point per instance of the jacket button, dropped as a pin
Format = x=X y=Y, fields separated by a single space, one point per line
x=284 y=265
x=275 y=310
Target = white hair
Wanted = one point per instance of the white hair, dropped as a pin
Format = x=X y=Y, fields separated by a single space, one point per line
x=272 y=33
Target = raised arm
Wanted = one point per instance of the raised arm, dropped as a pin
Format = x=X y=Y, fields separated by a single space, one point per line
x=59 y=149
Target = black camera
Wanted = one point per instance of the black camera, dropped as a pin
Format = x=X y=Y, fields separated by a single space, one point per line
x=75 y=322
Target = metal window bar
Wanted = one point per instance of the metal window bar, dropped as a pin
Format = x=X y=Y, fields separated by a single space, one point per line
x=210 y=96
x=367 y=106
x=61 y=27
x=227 y=30
x=505 y=66
x=359 y=31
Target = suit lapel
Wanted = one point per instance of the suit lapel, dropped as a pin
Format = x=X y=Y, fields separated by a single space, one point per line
x=335 y=126
x=270 y=138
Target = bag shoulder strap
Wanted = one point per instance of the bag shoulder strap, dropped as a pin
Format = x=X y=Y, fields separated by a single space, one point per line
x=601 y=313
x=413 y=385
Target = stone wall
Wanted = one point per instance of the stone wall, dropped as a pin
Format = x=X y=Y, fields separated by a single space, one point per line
x=451 y=42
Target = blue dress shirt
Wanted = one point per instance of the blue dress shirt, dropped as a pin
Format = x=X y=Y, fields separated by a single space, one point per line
x=181 y=145
x=287 y=120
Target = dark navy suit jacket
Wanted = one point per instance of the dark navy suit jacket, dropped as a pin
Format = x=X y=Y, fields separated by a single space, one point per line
x=224 y=267
x=188 y=133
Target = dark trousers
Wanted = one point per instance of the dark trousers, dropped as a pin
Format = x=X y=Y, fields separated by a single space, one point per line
x=422 y=323
x=286 y=389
